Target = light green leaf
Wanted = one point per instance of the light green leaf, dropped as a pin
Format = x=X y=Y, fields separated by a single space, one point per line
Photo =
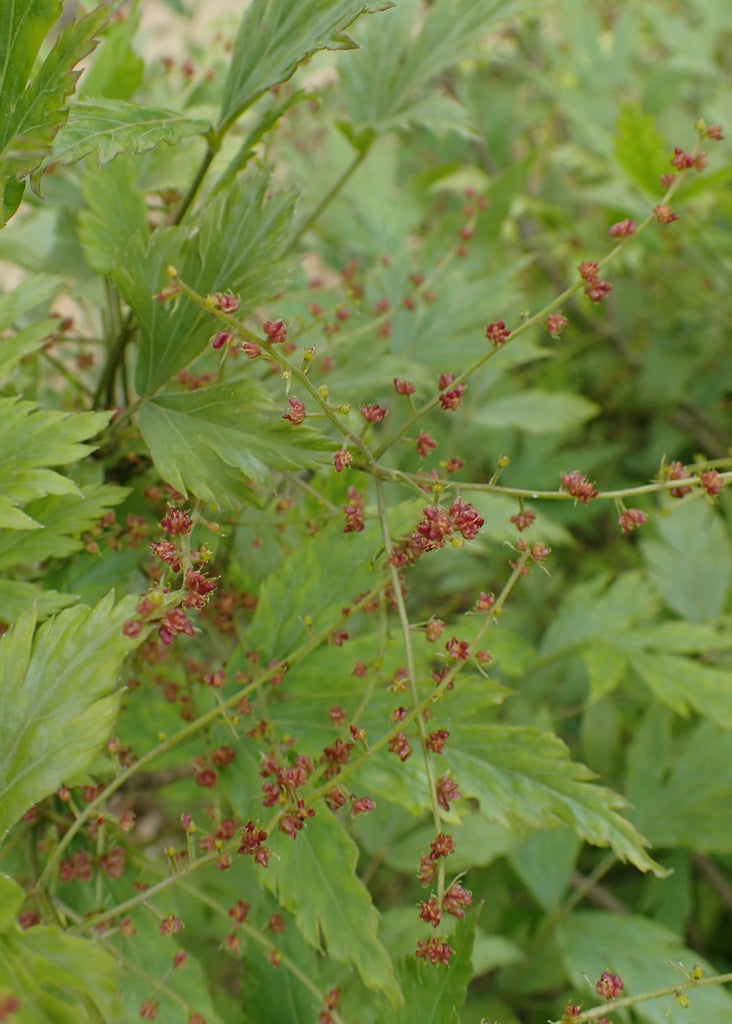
x=642 y=953
x=595 y=609
x=384 y=81
x=29 y=294
x=606 y=667
x=56 y=974
x=434 y=994
x=314 y=876
x=63 y=518
x=117 y=210
x=33 y=111
x=544 y=862
x=640 y=148
x=111 y=127
x=236 y=244
x=681 y=683
x=13 y=348
x=31 y=440
x=690 y=564
x=116 y=71
x=57 y=699
x=683 y=798
x=537 y=412
x=12 y=898
x=524 y=778
x=275 y=36
x=17 y=595
x=215 y=441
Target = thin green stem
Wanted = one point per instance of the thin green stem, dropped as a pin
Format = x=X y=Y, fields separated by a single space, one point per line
x=212 y=148
x=643 y=997
x=328 y=197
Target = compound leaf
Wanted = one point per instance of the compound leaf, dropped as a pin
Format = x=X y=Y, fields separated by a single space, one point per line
x=57 y=699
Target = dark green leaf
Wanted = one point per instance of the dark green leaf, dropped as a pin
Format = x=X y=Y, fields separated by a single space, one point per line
x=215 y=441
x=640 y=149
x=116 y=211
x=314 y=876
x=275 y=36
x=682 y=683
x=57 y=699
x=116 y=71
x=545 y=862
x=537 y=412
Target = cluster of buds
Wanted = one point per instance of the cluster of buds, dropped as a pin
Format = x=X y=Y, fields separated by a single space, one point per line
x=579 y=487
x=450 y=398
x=433 y=530
x=252 y=844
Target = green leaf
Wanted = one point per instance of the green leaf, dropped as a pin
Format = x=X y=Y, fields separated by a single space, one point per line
x=33 y=111
x=111 y=127
x=684 y=797
x=596 y=610
x=56 y=975
x=537 y=412
x=236 y=244
x=690 y=564
x=17 y=595
x=434 y=994
x=384 y=82
x=63 y=519
x=31 y=440
x=116 y=71
x=640 y=148
x=13 y=348
x=681 y=683
x=544 y=862
x=117 y=210
x=314 y=876
x=215 y=441
x=642 y=953
x=57 y=699
x=524 y=778
x=606 y=667
x=275 y=36
x=24 y=298
x=12 y=898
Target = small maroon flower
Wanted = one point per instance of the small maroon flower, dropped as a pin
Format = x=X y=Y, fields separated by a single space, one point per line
x=427 y=870
x=588 y=271
x=579 y=487
x=436 y=740
x=631 y=518
x=465 y=518
x=456 y=899
x=429 y=911
x=664 y=214
x=297 y=412
x=682 y=161
x=555 y=324
x=362 y=805
x=275 y=331
x=400 y=746
x=609 y=986
x=457 y=649
x=434 y=950
x=149 y=1009
x=441 y=846
x=712 y=482
x=227 y=303
x=250 y=349
x=222 y=338
x=676 y=471
x=239 y=911
x=342 y=459
x=598 y=290
x=485 y=602
x=447 y=791
x=354 y=519
x=132 y=628
x=176 y=521
x=170 y=925
x=450 y=400
x=622 y=229
x=113 y=863
x=453 y=465
x=167 y=551
x=373 y=413
x=667 y=180
x=522 y=520
x=404 y=387
x=497 y=333
x=425 y=443
x=715 y=132
x=434 y=628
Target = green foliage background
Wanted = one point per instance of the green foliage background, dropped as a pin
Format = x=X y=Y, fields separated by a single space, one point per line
x=387 y=180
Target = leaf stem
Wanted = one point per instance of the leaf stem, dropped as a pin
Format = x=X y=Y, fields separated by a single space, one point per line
x=328 y=197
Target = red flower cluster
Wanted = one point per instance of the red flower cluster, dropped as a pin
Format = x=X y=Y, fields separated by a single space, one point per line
x=252 y=839
x=450 y=400
x=609 y=986
x=579 y=487
x=432 y=531
x=595 y=289
x=434 y=950
x=497 y=333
